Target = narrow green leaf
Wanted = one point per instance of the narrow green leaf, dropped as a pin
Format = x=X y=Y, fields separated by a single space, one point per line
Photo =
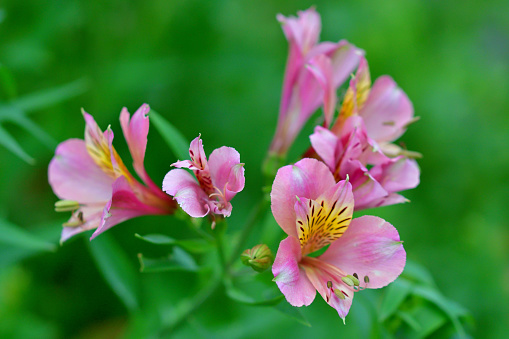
x=21 y=120
x=414 y=271
x=175 y=140
x=116 y=269
x=48 y=97
x=445 y=305
x=241 y=297
x=292 y=312
x=179 y=260
x=190 y=245
x=394 y=296
x=409 y=320
x=12 y=145
x=6 y=79
x=15 y=236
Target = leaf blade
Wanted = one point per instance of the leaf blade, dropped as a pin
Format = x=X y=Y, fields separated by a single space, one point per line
x=174 y=139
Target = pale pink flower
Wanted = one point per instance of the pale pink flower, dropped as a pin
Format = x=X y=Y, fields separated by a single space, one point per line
x=218 y=180
x=315 y=211
x=314 y=71
x=375 y=177
x=91 y=175
x=385 y=109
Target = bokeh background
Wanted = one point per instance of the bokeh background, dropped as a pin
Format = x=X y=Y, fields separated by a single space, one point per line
x=216 y=68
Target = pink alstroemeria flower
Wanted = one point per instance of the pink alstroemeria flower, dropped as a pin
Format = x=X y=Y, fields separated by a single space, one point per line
x=218 y=180
x=314 y=71
x=375 y=177
x=91 y=175
x=315 y=211
x=385 y=109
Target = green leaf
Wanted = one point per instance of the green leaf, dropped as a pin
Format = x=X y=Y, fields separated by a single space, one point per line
x=7 y=80
x=292 y=312
x=190 y=245
x=116 y=269
x=15 y=236
x=394 y=296
x=448 y=307
x=12 y=145
x=21 y=120
x=409 y=320
x=175 y=140
x=179 y=260
x=48 y=97
x=241 y=297
x=414 y=271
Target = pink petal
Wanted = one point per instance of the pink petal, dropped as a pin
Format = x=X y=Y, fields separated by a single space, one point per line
x=387 y=111
x=308 y=178
x=321 y=68
x=124 y=205
x=92 y=216
x=325 y=144
x=197 y=154
x=304 y=30
x=397 y=175
x=290 y=278
x=370 y=247
x=344 y=58
x=185 y=189
x=226 y=171
x=135 y=131
x=73 y=175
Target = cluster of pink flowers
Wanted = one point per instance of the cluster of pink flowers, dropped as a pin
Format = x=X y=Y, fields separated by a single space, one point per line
x=352 y=164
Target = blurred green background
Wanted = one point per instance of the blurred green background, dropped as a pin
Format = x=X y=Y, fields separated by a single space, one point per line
x=216 y=68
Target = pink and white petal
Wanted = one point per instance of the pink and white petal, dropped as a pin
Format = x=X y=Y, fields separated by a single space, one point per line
x=92 y=131
x=391 y=199
x=73 y=175
x=185 y=189
x=304 y=30
x=321 y=68
x=290 y=278
x=91 y=215
x=124 y=205
x=308 y=178
x=326 y=144
x=226 y=170
x=397 y=174
x=387 y=110
x=370 y=247
x=340 y=196
x=135 y=131
x=345 y=57
x=197 y=154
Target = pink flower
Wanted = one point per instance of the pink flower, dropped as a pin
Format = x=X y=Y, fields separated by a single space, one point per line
x=314 y=71
x=90 y=175
x=315 y=211
x=218 y=180
x=385 y=109
x=375 y=177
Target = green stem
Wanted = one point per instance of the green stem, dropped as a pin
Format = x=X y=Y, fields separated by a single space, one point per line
x=255 y=215
x=189 y=306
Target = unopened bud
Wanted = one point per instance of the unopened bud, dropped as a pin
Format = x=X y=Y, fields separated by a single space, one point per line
x=259 y=257
x=66 y=206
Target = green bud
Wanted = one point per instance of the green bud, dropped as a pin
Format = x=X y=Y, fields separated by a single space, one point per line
x=259 y=257
x=66 y=206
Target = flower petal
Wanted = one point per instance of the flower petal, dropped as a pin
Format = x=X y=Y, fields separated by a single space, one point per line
x=73 y=175
x=226 y=171
x=387 y=111
x=290 y=278
x=124 y=205
x=326 y=145
x=183 y=187
x=370 y=247
x=321 y=68
x=308 y=178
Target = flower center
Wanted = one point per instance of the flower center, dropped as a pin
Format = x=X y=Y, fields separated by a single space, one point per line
x=319 y=224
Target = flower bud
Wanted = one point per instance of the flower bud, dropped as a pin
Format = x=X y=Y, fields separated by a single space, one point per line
x=259 y=257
